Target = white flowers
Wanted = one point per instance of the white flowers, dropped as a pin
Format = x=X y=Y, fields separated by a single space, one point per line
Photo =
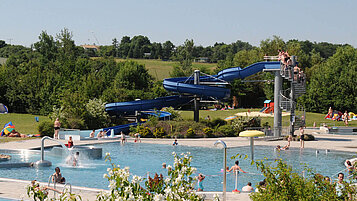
x=112 y=185
x=176 y=186
x=136 y=179
x=107 y=154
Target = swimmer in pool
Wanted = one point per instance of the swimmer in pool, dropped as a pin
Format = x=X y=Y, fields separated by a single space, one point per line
x=236 y=168
x=286 y=147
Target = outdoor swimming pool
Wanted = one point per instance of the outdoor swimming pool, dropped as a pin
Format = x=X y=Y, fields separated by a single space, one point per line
x=143 y=158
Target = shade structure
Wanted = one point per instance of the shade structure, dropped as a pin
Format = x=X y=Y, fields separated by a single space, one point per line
x=251 y=134
x=230 y=118
x=7 y=129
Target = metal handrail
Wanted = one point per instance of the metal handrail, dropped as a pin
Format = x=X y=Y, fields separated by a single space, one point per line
x=70 y=187
x=54 y=184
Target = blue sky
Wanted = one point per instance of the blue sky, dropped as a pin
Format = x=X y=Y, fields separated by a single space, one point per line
x=206 y=22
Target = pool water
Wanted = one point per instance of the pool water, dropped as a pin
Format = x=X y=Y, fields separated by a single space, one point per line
x=147 y=158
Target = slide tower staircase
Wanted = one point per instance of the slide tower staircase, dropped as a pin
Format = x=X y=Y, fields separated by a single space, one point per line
x=288 y=97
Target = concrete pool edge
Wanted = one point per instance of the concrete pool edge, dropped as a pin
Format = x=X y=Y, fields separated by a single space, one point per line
x=16 y=189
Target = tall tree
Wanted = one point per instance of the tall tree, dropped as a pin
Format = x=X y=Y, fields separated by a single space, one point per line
x=333 y=83
x=167 y=49
x=184 y=56
x=47 y=46
x=271 y=46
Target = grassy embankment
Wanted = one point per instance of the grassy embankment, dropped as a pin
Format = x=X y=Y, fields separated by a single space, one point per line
x=161 y=69
x=24 y=123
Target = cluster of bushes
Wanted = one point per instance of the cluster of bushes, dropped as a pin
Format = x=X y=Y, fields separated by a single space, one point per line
x=307 y=137
x=191 y=129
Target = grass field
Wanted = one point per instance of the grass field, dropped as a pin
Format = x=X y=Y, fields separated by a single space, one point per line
x=161 y=69
x=24 y=123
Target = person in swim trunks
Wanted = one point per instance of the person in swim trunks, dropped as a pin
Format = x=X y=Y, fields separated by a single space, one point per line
x=57 y=126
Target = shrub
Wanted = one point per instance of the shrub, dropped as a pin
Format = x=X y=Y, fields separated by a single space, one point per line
x=190 y=133
x=46 y=128
x=175 y=115
x=145 y=131
x=159 y=132
x=227 y=130
x=284 y=183
x=308 y=137
x=240 y=123
x=208 y=132
x=215 y=122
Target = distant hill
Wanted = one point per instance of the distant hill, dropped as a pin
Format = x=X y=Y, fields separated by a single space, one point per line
x=161 y=69
x=2 y=60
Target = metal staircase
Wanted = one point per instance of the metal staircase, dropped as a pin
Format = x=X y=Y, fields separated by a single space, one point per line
x=288 y=97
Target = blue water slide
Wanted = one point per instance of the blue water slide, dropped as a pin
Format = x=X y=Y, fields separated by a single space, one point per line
x=129 y=108
x=186 y=88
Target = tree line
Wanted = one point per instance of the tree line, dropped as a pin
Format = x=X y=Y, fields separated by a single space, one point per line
x=55 y=75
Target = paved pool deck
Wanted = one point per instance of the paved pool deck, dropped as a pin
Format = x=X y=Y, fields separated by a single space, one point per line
x=16 y=189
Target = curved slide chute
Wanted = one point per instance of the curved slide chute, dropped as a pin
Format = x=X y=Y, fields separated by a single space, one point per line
x=186 y=88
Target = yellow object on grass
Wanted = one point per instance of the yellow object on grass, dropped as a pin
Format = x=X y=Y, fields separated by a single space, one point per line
x=251 y=133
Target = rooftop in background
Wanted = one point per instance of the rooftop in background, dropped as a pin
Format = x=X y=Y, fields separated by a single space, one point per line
x=89 y=47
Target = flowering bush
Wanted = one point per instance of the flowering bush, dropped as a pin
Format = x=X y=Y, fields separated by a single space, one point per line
x=178 y=185
x=38 y=193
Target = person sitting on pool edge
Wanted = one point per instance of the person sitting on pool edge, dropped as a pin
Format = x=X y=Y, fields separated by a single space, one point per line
x=236 y=168
x=91 y=135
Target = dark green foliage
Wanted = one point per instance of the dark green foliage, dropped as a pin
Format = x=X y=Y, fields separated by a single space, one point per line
x=227 y=131
x=333 y=83
x=216 y=122
x=185 y=57
x=132 y=76
x=45 y=128
x=282 y=183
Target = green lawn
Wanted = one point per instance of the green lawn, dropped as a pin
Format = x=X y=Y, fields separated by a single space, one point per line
x=161 y=69
x=310 y=117
x=24 y=123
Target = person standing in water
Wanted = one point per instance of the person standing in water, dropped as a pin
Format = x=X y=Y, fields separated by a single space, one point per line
x=122 y=137
x=57 y=126
x=236 y=168
x=70 y=142
x=200 y=179
x=302 y=137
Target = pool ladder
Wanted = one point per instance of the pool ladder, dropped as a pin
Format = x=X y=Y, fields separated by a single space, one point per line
x=54 y=186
